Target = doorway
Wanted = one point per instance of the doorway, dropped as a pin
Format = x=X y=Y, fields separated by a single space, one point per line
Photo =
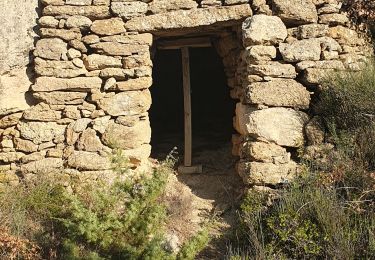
x=211 y=105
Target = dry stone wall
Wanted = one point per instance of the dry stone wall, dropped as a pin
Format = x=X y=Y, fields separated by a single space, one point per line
x=93 y=66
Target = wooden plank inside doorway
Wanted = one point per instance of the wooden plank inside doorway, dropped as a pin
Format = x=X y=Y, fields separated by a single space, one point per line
x=188 y=167
x=187 y=106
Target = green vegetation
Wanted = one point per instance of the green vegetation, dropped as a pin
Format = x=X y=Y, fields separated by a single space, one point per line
x=328 y=212
x=123 y=220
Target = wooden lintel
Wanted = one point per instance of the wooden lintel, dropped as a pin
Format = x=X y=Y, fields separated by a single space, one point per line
x=199 y=42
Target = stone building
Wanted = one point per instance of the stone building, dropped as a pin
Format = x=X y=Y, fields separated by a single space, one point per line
x=77 y=82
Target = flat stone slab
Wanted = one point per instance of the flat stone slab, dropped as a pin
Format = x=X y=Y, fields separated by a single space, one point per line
x=50 y=84
x=184 y=19
x=278 y=93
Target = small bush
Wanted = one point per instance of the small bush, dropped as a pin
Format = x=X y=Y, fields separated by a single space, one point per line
x=347 y=98
x=347 y=107
x=307 y=221
x=123 y=220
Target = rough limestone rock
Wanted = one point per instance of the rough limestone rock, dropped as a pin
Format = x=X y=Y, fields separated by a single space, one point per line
x=128 y=9
x=311 y=31
x=283 y=126
x=92 y=12
x=162 y=6
x=48 y=84
x=108 y=27
x=59 y=69
x=295 y=12
x=316 y=76
x=345 y=36
x=82 y=160
x=78 y=2
x=40 y=132
x=334 y=19
x=10 y=120
x=273 y=69
x=132 y=84
x=126 y=103
x=119 y=49
x=42 y=112
x=126 y=137
x=327 y=64
x=100 y=124
x=260 y=53
x=10 y=157
x=61 y=97
x=64 y=34
x=51 y=48
x=141 y=38
x=96 y=61
x=89 y=141
x=301 y=50
x=137 y=155
x=78 y=21
x=265 y=152
x=263 y=29
x=117 y=73
x=25 y=145
x=257 y=173
x=278 y=92
x=189 y=18
x=45 y=165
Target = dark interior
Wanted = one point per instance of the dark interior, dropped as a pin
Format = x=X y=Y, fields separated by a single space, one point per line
x=212 y=107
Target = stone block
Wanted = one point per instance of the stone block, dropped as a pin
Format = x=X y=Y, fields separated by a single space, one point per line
x=264 y=30
x=278 y=93
x=92 y=12
x=163 y=6
x=283 y=126
x=61 y=97
x=108 y=27
x=129 y=9
x=39 y=132
x=295 y=12
x=126 y=103
x=265 y=152
x=126 y=137
x=51 y=48
x=257 y=173
x=97 y=62
x=89 y=161
x=301 y=50
x=184 y=19
x=48 y=84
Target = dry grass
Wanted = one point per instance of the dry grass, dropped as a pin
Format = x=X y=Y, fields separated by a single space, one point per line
x=13 y=247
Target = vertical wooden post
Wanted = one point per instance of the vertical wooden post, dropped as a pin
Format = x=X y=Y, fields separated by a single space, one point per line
x=187 y=106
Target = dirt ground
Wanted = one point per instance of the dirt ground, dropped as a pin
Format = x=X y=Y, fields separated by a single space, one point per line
x=216 y=192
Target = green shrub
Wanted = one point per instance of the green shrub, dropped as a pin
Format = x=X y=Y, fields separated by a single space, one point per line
x=346 y=100
x=347 y=107
x=123 y=220
x=195 y=245
x=307 y=221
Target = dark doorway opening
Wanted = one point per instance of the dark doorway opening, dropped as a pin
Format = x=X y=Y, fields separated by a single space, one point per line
x=212 y=107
